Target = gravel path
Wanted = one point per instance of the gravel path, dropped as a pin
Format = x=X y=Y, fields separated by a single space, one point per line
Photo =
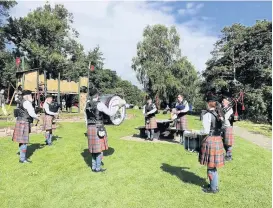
x=257 y=139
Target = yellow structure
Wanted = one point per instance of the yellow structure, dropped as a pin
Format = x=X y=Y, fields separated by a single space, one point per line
x=28 y=80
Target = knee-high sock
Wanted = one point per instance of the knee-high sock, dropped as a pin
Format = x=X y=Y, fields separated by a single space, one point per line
x=213 y=178
x=152 y=133
x=47 y=137
x=148 y=133
x=93 y=161
x=23 y=151
x=98 y=161
x=229 y=151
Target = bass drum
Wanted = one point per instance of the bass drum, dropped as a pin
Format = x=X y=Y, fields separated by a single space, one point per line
x=111 y=101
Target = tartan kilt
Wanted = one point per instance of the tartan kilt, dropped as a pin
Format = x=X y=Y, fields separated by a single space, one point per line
x=96 y=144
x=21 y=132
x=228 y=137
x=152 y=124
x=181 y=123
x=212 y=152
x=48 y=123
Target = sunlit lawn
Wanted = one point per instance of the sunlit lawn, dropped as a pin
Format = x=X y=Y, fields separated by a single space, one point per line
x=138 y=174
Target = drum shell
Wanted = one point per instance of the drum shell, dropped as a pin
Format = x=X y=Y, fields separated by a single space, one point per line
x=109 y=101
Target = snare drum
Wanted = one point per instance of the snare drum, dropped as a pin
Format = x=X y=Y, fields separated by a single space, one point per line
x=193 y=140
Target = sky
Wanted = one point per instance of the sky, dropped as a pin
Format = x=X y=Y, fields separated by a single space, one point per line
x=117 y=27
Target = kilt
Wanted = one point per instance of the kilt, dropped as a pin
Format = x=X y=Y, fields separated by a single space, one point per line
x=212 y=152
x=228 y=137
x=152 y=124
x=181 y=123
x=48 y=123
x=96 y=144
x=21 y=132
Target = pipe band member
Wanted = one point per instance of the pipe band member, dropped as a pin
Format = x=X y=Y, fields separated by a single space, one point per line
x=149 y=111
x=96 y=132
x=25 y=114
x=212 y=151
x=2 y=102
x=48 y=119
x=181 y=109
x=228 y=133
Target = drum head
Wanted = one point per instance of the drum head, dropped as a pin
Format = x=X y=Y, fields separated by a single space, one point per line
x=120 y=115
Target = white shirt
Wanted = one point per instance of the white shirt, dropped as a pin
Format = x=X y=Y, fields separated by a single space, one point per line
x=46 y=107
x=206 y=121
x=28 y=106
x=227 y=115
x=186 y=109
x=102 y=108
x=150 y=112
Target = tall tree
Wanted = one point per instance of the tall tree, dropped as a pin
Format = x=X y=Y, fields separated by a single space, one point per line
x=248 y=52
x=160 y=67
x=155 y=55
x=43 y=34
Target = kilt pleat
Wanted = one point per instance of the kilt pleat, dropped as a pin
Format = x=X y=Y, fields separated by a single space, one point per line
x=212 y=152
x=48 y=123
x=229 y=137
x=21 y=132
x=96 y=144
x=152 y=123
x=181 y=123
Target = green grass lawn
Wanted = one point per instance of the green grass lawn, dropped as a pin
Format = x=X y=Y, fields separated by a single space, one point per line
x=139 y=174
x=264 y=129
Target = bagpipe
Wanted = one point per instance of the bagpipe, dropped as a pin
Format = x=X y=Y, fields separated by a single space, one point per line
x=233 y=104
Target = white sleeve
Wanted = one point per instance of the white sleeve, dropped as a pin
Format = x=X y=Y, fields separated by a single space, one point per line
x=206 y=123
x=144 y=109
x=186 y=108
x=28 y=106
x=85 y=116
x=228 y=114
x=103 y=108
x=152 y=111
x=46 y=107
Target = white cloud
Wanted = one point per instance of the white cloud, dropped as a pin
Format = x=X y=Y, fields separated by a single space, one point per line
x=118 y=26
x=191 y=9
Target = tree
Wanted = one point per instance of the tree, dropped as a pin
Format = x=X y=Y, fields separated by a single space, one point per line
x=155 y=55
x=44 y=35
x=249 y=51
x=160 y=67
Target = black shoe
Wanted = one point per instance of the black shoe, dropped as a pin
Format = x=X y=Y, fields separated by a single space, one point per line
x=210 y=191
x=152 y=139
x=208 y=187
x=18 y=153
x=101 y=170
x=25 y=161
x=228 y=158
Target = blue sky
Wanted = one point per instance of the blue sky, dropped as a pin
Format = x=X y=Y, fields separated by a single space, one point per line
x=117 y=27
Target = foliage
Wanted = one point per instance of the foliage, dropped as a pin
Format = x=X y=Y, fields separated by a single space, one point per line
x=160 y=67
x=43 y=36
x=251 y=48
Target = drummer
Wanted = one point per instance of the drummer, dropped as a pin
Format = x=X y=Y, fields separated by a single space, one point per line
x=180 y=110
x=212 y=150
x=228 y=136
x=149 y=111
x=96 y=132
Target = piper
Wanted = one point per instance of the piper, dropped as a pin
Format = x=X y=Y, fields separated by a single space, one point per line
x=24 y=114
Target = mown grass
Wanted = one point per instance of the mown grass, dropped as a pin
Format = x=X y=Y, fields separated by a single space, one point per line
x=138 y=174
x=264 y=129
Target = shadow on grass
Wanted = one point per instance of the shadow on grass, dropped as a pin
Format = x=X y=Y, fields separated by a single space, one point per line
x=55 y=138
x=184 y=175
x=88 y=157
x=33 y=147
